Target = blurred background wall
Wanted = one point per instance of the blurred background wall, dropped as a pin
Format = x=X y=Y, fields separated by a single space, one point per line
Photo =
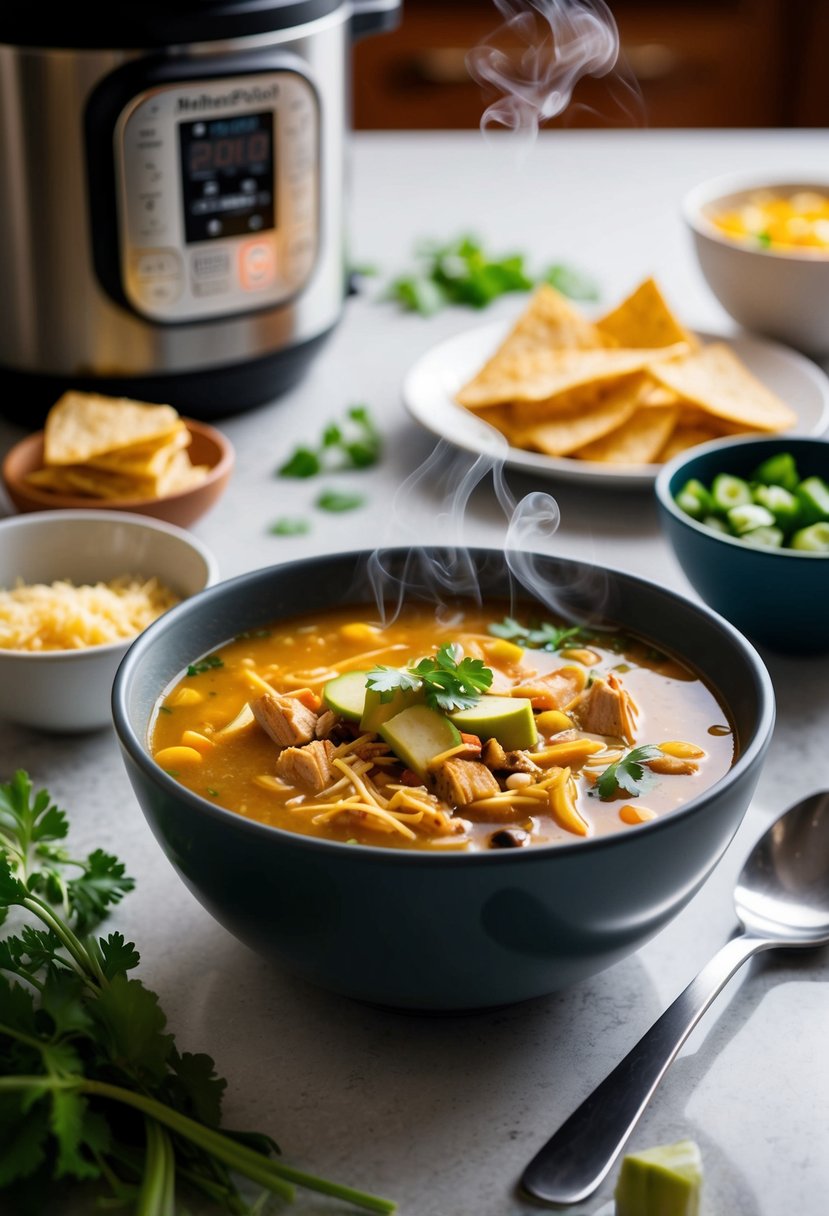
x=698 y=63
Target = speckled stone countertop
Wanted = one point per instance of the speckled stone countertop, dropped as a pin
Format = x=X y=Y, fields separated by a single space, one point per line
x=442 y=1113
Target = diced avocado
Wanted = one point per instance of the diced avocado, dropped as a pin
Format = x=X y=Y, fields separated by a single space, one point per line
x=417 y=734
x=346 y=694
x=376 y=712
x=510 y=720
x=661 y=1181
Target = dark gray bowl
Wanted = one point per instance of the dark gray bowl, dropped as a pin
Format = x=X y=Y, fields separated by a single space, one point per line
x=778 y=597
x=458 y=931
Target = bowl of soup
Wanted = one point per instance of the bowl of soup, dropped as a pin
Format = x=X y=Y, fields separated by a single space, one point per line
x=442 y=799
x=763 y=246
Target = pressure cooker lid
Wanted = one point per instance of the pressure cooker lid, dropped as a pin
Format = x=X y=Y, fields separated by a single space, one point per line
x=152 y=24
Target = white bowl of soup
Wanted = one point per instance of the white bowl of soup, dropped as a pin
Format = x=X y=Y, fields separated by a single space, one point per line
x=763 y=247
x=442 y=805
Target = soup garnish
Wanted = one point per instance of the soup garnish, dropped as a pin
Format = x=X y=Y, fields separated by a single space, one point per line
x=441 y=734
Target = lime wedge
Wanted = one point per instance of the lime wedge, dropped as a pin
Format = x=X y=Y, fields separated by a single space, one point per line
x=661 y=1181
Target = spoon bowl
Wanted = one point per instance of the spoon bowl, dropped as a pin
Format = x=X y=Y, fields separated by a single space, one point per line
x=782 y=900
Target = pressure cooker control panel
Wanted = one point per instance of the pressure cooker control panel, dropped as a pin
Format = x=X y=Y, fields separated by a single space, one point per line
x=218 y=195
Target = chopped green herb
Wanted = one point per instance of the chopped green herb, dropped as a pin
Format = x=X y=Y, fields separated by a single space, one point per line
x=628 y=774
x=448 y=683
x=541 y=636
x=202 y=665
x=333 y=500
x=213 y=793
x=172 y=772
x=353 y=444
x=464 y=273
x=572 y=283
x=764 y=239
x=289 y=527
x=94 y=1089
x=164 y=709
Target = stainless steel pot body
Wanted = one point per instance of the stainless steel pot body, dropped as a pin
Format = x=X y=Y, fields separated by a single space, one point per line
x=152 y=306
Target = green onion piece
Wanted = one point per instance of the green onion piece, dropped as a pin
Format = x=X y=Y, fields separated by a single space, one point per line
x=763 y=538
x=728 y=491
x=778 y=470
x=716 y=524
x=748 y=517
x=814 y=539
x=783 y=505
x=694 y=499
x=813 y=495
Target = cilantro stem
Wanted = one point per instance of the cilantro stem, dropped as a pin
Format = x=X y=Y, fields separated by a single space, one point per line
x=271 y=1174
x=86 y=965
x=157 y=1194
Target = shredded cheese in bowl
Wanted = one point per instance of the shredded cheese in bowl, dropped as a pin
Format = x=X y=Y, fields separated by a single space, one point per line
x=63 y=616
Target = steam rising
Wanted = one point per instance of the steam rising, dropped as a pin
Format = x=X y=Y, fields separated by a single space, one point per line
x=538 y=55
x=441 y=574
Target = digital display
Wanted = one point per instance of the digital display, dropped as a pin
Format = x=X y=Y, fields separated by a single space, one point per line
x=227 y=167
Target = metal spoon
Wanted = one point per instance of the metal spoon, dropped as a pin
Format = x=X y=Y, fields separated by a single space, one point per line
x=782 y=899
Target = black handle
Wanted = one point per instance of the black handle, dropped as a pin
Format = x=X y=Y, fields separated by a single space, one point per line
x=374 y=17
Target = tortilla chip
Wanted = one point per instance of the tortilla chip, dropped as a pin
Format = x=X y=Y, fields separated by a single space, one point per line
x=145 y=459
x=684 y=437
x=644 y=319
x=81 y=426
x=717 y=381
x=639 y=440
x=564 y=434
x=540 y=375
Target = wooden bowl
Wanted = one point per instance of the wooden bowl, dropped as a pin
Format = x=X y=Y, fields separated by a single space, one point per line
x=208 y=446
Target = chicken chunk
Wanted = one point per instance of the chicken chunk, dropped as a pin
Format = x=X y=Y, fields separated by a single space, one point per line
x=285 y=719
x=606 y=708
x=459 y=781
x=672 y=766
x=307 y=766
x=500 y=761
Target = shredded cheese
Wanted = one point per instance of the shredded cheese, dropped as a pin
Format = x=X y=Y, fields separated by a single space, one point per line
x=64 y=616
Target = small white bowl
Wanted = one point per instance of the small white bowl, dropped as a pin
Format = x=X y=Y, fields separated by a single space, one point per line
x=69 y=690
x=783 y=294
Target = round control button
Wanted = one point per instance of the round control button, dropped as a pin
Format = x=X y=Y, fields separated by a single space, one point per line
x=257 y=265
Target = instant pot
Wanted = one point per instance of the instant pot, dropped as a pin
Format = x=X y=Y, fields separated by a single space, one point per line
x=172 y=197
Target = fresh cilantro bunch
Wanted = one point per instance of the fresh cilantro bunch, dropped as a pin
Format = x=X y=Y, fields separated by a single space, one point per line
x=449 y=682
x=628 y=774
x=544 y=636
x=462 y=272
x=353 y=443
x=92 y=1087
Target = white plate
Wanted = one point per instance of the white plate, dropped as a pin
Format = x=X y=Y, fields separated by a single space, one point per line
x=431 y=384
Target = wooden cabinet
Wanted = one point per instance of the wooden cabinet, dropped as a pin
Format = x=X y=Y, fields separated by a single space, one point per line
x=697 y=63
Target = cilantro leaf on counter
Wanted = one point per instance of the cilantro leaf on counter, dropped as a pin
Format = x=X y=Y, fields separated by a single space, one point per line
x=92 y=1086
x=334 y=500
x=289 y=527
x=629 y=773
x=464 y=273
x=353 y=443
x=448 y=683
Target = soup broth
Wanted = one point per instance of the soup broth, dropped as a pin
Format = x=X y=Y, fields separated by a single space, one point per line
x=573 y=736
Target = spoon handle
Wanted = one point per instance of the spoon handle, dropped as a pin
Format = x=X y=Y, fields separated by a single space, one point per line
x=576 y=1159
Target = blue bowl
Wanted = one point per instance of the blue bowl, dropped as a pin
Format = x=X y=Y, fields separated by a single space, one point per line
x=460 y=931
x=777 y=597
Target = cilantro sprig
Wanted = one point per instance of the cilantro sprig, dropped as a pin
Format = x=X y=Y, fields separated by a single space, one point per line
x=628 y=774
x=354 y=443
x=449 y=682
x=541 y=636
x=92 y=1086
x=462 y=272
x=206 y=664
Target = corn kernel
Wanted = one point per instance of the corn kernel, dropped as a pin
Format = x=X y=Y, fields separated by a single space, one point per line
x=588 y=658
x=186 y=696
x=635 y=814
x=358 y=631
x=504 y=650
x=551 y=721
x=172 y=757
x=683 y=751
x=517 y=781
x=192 y=738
